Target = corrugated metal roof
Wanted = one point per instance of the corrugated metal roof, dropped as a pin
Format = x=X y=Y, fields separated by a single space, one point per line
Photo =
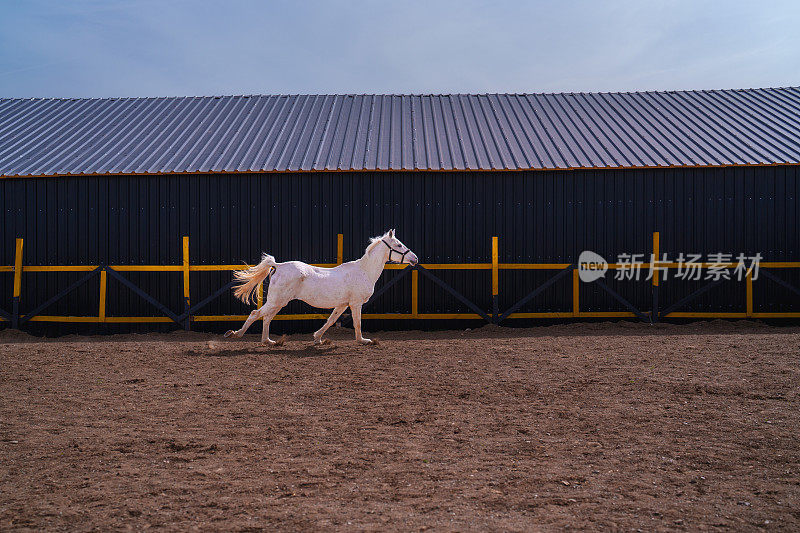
x=43 y=137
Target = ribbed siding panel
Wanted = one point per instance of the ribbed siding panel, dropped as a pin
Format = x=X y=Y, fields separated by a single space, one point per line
x=443 y=217
x=43 y=137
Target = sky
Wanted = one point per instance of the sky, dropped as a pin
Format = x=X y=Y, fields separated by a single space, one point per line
x=116 y=48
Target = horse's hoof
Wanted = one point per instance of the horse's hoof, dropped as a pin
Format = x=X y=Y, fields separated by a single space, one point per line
x=229 y=333
x=373 y=342
x=324 y=341
x=280 y=341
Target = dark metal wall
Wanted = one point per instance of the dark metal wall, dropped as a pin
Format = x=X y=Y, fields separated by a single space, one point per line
x=448 y=217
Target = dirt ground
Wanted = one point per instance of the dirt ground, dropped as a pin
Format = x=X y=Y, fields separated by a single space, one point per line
x=581 y=426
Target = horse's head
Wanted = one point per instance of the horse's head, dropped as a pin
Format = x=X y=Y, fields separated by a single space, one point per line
x=398 y=252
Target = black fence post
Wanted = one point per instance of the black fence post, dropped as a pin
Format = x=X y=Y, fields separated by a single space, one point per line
x=187 y=322
x=654 y=313
x=15 y=313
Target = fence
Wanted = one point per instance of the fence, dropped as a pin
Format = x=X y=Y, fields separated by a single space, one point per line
x=189 y=314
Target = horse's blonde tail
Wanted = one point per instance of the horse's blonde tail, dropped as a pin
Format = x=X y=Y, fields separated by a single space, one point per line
x=251 y=278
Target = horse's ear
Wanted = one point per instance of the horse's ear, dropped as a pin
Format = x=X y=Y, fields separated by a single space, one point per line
x=391 y=233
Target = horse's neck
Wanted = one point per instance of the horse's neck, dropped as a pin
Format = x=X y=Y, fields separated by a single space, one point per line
x=373 y=262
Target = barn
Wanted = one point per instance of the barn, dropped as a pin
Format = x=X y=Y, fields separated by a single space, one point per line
x=122 y=214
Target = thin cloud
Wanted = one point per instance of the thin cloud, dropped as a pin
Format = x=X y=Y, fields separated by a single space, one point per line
x=153 y=48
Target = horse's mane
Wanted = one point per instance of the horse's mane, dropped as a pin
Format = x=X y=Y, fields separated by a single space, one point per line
x=373 y=242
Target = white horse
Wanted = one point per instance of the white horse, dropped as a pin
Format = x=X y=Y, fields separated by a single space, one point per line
x=350 y=284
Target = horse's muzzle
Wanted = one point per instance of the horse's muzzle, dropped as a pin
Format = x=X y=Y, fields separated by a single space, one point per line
x=412 y=259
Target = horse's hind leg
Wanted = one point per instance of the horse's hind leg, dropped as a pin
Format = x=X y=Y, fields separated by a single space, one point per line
x=275 y=302
x=279 y=293
x=277 y=298
x=254 y=315
x=337 y=312
x=269 y=314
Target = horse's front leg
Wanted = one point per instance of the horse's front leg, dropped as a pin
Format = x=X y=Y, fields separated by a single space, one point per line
x=356 y=310
x=337 y=312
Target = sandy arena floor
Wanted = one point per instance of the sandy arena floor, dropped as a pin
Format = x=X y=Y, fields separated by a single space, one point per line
x=582 y=426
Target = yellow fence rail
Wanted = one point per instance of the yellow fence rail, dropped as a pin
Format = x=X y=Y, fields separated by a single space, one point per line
x=18 y=269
